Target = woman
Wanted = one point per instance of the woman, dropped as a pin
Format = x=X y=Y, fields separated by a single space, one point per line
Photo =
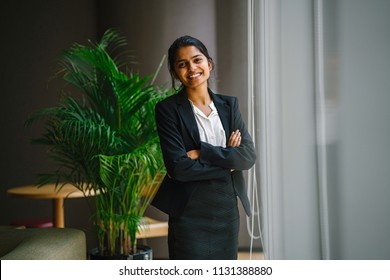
x=205 y=147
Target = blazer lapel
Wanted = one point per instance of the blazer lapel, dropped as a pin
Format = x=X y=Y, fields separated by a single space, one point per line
x=187 y=114
x=223 y=112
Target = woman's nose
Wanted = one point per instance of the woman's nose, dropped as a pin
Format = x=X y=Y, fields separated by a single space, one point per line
x=191 y=66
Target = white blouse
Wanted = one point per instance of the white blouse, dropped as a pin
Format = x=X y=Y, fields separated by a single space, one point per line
x=210 y=128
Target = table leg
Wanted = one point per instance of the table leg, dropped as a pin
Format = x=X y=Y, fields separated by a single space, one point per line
x=58 y=213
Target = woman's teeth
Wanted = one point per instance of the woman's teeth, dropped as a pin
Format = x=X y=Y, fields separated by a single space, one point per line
x=194 y=76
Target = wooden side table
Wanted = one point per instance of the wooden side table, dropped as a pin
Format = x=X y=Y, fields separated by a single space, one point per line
x=49 y=191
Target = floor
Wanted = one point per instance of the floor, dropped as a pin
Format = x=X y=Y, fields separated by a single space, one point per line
x=247 y=256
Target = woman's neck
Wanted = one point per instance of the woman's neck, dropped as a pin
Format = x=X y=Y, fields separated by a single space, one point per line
x=199 y=96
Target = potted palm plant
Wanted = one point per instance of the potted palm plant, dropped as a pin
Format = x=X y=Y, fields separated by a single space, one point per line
x=102 y=138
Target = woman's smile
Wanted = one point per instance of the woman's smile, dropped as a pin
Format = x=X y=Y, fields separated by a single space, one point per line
x=194 y=76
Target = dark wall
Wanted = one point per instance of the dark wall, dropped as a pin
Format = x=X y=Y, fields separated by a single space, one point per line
x=142 y=22
x=33 y=33
x=152 y=25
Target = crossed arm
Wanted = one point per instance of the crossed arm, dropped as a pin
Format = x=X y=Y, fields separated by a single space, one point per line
x=234 y=141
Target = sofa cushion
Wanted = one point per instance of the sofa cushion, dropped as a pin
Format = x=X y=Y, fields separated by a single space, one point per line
x=42 y=244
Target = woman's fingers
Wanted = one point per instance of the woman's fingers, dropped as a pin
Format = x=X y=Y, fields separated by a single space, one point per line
x=235 y=139
x=193 y=154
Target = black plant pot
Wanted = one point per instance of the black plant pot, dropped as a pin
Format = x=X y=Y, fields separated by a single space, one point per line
x=143 y=253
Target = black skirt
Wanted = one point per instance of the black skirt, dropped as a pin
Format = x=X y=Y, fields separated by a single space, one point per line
x=208 y=228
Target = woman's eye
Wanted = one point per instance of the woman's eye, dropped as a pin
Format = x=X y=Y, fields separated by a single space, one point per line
x=181 y=65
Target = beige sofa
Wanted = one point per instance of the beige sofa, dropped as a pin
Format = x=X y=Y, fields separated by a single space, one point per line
x=42 y=244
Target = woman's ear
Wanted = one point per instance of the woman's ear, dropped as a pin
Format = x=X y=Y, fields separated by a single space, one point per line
x=210 y=64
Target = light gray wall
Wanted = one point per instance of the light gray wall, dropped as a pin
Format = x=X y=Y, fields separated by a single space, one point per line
x=362 y=52
x=298 y=171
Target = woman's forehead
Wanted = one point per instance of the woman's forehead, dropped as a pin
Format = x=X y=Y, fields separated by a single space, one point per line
x=188 y=52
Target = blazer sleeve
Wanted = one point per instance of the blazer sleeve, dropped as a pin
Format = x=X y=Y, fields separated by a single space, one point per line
x=174 y=146
x=242 y=157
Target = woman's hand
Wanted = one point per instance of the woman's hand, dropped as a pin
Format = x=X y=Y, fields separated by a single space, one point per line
x=235 y=139
x=193 y=154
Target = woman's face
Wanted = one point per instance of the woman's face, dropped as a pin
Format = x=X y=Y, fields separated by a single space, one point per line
x=192 y=67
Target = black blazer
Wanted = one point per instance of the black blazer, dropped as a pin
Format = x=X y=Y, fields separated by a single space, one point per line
x=179 y=133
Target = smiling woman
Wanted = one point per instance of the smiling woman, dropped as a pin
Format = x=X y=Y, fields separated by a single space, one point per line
x=192 y=68
x=186 y=55
x=206 y=146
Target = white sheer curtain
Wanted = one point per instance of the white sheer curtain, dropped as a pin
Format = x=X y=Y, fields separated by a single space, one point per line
x=282 y=119
x=253 y=222
x=259 y=122
x=263 y=120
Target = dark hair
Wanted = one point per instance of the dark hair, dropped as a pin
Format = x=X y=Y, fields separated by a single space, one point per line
x=180 y=42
